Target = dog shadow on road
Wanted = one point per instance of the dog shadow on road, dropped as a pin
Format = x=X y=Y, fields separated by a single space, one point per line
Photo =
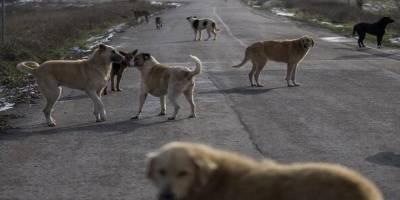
x=241 y=90
x=385 y=158
x=121 y=127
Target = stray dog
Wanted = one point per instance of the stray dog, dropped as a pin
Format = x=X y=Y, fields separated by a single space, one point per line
x=160 y=80
x=159 y=23
x=90 y=75
x=119 y=68
x=186 y=171
x=291 y=52
x=377 y=29
x=199 y=25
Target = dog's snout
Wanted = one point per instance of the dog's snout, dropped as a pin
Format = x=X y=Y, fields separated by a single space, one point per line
x=166 y=195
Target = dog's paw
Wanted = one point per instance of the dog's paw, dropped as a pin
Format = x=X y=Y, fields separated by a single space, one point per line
x=119 y=90
x=296 y=84
x=171 y=118
x=161 y=114
x=51 y=124
x=135 y=117
x=253 y=85
x=192 y=116
x=290 y=85
x=259 y=85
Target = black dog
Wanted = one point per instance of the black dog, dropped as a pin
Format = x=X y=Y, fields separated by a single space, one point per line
x=119 y=68
x=377 y=29
x=159 y=23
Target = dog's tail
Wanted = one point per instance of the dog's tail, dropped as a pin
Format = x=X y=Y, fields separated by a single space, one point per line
x=245 y=59
x=198 y=68
x=214 y=25
x=23 y=66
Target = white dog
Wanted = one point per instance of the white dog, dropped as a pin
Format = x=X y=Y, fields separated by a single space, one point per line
x=199 y=25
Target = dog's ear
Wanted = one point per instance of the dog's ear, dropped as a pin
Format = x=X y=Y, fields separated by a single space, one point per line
x=146 y=56
x=134 y=52
x=151 y=164
x=204 y=167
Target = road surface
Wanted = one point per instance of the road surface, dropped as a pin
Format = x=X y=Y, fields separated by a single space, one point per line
x=347 y=111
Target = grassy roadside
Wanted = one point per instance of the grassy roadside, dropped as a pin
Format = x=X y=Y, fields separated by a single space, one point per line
x=40 y=32
x=338 y=17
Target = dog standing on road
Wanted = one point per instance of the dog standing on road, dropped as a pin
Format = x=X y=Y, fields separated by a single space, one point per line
x=377 y=29
x=199 y=25
x=161 y=80
x=119 y=68
x=159 y=23
x=291 y=52
x=186 y=171
x=89 y=75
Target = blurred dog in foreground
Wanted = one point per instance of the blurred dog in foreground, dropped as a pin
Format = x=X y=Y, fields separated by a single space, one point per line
x=291 y=52
x=89 y=75
x=377 y=29
x=160 y=80
x=186 y=171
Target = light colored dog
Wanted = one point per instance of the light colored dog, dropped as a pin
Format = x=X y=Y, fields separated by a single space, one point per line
x=161 y=80
x=90 y=75
x=290 y=52
x=187 y=171
x=199 y=25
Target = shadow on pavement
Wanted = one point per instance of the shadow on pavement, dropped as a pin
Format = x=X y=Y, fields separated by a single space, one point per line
x=241 y=90
x=122 y=127
x=385 y=158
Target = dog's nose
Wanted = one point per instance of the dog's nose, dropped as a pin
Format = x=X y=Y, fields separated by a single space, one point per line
x=166 y=196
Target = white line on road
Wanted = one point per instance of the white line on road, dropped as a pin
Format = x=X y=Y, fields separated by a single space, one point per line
x=227 y=28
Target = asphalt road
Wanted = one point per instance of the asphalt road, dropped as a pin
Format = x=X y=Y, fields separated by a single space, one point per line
x=347 y=111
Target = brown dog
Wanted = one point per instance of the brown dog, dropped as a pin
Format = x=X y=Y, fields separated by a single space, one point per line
x=186 y=171
x=161 y=80
x=90 y=75
x=118 y=69
x=291 y=52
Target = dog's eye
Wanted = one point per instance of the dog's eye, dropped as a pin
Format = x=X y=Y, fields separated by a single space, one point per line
x=182 y=174
x=113 y=51
x=162 y=172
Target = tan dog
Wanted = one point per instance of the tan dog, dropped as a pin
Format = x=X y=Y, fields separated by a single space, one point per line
x=186 y=171
x=291 y=52
x=160 y=80
x=89 y=75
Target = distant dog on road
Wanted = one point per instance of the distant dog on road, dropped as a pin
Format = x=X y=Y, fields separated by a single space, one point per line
x=187 y=171
x=161 y=80
x=159 y=23
x=119 y=68
x=377 y=29
x=141 y=13
x=199 y=25
x=89 y=75
x=291 y=52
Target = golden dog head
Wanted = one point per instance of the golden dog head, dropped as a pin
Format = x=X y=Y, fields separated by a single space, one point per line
x=306 y=42
x=141 y=58
x=178 y=169
x=109 y=52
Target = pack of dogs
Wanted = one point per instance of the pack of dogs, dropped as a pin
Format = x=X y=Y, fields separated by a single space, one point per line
x=186 y=171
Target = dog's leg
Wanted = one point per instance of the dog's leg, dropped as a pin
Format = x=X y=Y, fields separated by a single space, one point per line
x=112 y=82
x=289 y=74
x=200 y=34
x=119 y=76
x=259 y=67
x=52 y=94
x=379 y=40
x=142 y=99
x=209 y=34
x=163 y=106
x=172 y=96
x=215 y=34
x=251 y=74
x=195 y=34
x=99 y=110
x=293 y=76
x=361 y=37
x=189 y=97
